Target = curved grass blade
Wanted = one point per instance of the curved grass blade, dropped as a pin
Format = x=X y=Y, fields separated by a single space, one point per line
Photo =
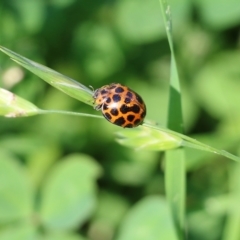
x=156 y=138
x=12 y=105
x=56 y=79
x=146 y=137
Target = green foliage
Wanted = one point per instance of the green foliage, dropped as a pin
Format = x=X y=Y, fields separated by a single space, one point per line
x=144 y=219
x=11 y=206
x=71 y=182
x=150 y=137
x=139 y=21
x=50 y=162
x=67 y=197
x=226 y=15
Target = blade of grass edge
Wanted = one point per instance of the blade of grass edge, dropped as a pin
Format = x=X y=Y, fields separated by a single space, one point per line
x=231 y=230
x=61 y=82
x=12 y=106
x=193 y=143
x=175 y=179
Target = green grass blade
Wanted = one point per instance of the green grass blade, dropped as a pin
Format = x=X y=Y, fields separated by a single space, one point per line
x=232 y=229
x=156 y=138
x=193 y=143
x=57 y=80
x=12 y=105
x=175 y=187
x=175 y=160
x=146 y=137
x=78 y=114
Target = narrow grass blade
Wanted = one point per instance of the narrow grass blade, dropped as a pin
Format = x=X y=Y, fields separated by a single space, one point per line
x=57 y=80
x=146 y=137
x=175 y=160
x=232 y=229
x=12 y=105
x=193 y=143
x=156 y=138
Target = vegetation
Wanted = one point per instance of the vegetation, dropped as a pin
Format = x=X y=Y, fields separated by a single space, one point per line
x=65 y=177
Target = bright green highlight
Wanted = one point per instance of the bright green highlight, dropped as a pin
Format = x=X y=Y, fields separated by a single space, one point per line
x=13 y=106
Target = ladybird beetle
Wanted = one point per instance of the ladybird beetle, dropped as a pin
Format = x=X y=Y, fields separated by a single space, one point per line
x=120 y=105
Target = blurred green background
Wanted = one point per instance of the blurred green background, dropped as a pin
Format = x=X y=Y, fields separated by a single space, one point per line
x=107 y=185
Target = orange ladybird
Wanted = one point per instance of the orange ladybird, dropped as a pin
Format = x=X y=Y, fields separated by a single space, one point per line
x=120 y=105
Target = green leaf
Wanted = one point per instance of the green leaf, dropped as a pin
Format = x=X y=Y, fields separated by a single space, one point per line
x=111 y=209
x=20 y=231
x=99 y=48
x=57 y=80
x=219 y=14
x=134 y=168
x=69 y=194
x=16 y=196
x=148 y=219
x=31 y=20
x=139 y=20
x=220 y=76
x=13 y=106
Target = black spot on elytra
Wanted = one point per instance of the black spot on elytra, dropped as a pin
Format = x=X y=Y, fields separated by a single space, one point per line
x=105 y=106
x=108 y=100
x=135 y=108
x=107 y=116
x=114 y=111
x=127 y=100
x=120 y=121
x=116 y=98
x=137 y=121
x=130 y=118
x=104 y=91
x=129 y=94
x=124 y=109
x=119 y=90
